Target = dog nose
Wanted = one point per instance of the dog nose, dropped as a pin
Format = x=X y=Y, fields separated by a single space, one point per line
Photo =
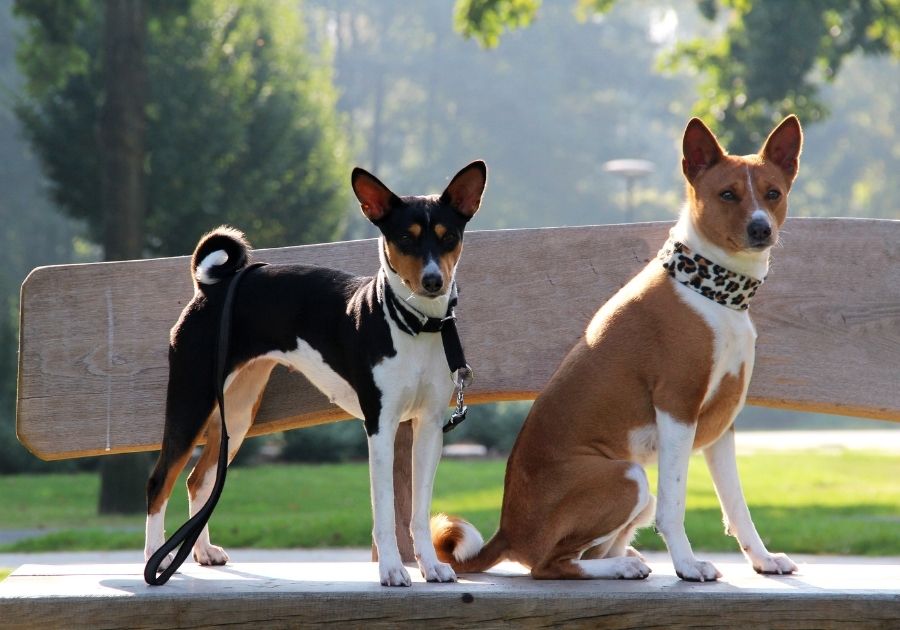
x=432 y=282
x=759 y=231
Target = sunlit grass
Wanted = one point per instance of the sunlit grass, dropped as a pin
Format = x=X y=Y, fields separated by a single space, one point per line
x=801 y=502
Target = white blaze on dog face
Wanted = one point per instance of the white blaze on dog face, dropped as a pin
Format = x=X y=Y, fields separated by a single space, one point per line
x=739 y=203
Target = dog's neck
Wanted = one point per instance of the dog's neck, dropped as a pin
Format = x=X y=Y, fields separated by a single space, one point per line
x=753 y=264
x=430 y=307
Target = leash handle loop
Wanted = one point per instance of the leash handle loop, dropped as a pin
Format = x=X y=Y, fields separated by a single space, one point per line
x=186 y=535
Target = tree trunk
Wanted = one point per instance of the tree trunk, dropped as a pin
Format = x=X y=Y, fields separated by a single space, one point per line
x=121 y=134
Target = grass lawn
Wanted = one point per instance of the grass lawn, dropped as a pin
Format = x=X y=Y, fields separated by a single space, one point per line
x=846 y=503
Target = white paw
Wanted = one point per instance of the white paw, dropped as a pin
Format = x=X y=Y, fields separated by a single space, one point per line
x=774 y=564
x=631 y=568
x=437 y=572
x=210 y=555
x=697 y=571
x=393 y=574
x=631 y=552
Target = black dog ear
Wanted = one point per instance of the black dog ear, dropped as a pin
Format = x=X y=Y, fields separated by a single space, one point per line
x=375 y=199
x=466 y=188
x=700 y=149
x=783 y=146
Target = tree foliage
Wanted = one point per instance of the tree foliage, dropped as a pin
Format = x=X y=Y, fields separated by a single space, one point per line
x=241 y=123
x=770 y=61
x=774 y=56
x=487 y=20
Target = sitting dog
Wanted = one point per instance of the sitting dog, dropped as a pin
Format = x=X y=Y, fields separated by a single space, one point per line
x=360 y=340
x=661 y=370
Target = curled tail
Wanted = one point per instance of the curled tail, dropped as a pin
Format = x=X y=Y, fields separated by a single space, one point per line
x=458 y=542
x=219 y=255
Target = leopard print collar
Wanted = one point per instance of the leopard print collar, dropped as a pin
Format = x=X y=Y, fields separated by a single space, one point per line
x=707 y=278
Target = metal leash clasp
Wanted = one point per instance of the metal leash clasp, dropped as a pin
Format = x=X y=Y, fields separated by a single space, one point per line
x=464 y=377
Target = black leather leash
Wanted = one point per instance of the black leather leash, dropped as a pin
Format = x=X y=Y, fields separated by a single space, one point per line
x=187 y=534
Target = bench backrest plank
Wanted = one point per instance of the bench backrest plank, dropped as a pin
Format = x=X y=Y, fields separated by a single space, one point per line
x=93 y=346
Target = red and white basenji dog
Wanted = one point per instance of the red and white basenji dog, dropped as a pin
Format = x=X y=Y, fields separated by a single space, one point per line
x=368 y=343
x=661 y=370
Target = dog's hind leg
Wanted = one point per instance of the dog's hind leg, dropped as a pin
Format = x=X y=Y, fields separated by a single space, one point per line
x=242 y=397
x=189 y=402
x=611 y=499
x=427 y=444
x=620 y=544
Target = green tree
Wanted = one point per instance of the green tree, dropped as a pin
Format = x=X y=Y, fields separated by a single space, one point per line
x=774 y=56
x=33 y=234
x=241 y=124
x=770 y=61
x=157 y=121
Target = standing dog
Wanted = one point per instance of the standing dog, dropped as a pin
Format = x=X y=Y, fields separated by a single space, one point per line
x=357 y=339
x=661 y=370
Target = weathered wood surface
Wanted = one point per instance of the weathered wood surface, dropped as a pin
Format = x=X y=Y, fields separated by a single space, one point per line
x=275 y=595
x=92 y=365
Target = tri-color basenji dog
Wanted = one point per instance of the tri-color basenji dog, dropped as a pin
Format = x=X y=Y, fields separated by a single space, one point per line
x=357 y=339
x=661 y=370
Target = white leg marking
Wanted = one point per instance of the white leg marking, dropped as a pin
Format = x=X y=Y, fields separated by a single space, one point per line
x=427 y=443
x=676 y=441
x=623 y=567
x=722 y=463
x=155 y=536
x=381 y=475
x=204 y=552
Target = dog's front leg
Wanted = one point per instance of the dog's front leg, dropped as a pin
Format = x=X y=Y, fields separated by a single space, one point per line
x=427 y=443
x=381 y=476
x=722 y=463
x=676 y=440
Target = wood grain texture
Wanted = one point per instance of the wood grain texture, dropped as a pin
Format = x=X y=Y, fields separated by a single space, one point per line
x=290 y=595
x=92 y=363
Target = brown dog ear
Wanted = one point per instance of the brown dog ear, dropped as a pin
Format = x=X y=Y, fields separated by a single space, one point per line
x=466 y=188
x=783 y=146
x=375 y=199
x=700 y=149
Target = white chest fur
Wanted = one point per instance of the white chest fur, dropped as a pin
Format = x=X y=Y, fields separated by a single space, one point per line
x=416 y=380
x=734 y=339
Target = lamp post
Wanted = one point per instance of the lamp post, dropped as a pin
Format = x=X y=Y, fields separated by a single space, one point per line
x=630 y=171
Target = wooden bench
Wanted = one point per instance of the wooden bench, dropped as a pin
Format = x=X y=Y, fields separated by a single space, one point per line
x=92 y=362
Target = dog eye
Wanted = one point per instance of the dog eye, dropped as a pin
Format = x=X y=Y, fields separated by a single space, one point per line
x=405 y=239
x=728 y=195
x=773 y=194
x=448 y=239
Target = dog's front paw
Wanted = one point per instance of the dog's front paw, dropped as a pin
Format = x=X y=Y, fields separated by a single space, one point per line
x=437 y=572
x=210 y=555
x=774 y=564
x=631 y=552
x=697 y=571
x=631 y=568
x=393 y=574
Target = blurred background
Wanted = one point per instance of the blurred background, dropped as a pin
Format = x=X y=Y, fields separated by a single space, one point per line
x=129 y=128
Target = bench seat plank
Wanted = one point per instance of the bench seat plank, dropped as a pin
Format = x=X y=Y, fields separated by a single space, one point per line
x=347 y=593
x=93 y=344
